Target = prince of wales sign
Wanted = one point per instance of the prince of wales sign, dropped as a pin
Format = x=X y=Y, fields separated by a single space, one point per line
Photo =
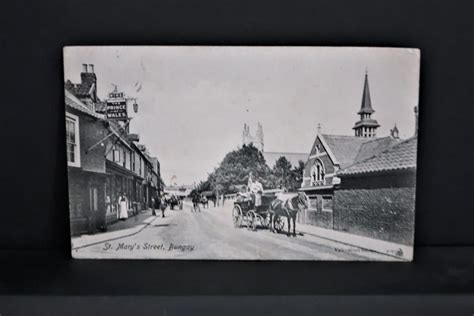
x=117 y=107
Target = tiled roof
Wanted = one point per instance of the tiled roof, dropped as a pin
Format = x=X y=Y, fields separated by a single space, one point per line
x=79 y=89
x=375 y=146
x=401 y=156
x=73 y=102
x=294 y=158
x=344 y=148
x=122 y=134
x=101 y=106
x=350 y=149
x=119 y=131
x=84 y=89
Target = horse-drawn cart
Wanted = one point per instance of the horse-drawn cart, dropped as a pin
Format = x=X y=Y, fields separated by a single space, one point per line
x=246 y=213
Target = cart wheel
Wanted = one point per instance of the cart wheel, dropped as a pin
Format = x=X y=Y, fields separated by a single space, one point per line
x=252 y=220
x=279 y=224
x=237 y=216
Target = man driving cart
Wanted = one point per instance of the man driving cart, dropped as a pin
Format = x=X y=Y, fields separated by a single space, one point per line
x=255 y=188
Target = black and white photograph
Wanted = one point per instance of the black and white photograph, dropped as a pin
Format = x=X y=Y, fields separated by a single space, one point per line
x=242 y=152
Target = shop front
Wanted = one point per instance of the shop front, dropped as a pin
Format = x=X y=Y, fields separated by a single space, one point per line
x=119 y=181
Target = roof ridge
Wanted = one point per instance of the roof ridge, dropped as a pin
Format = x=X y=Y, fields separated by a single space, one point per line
x=335 y=135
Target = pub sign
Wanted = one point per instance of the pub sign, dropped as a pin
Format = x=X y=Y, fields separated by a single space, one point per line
x=117 y=106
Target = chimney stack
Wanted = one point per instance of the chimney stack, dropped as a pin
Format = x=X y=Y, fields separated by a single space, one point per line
x=319 y=128
x=88 y=79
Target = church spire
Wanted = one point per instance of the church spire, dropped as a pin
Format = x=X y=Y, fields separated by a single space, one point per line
x=366 y=106
x=366 y=126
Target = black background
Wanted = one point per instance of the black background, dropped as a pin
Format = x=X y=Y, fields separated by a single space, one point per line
x=34 y=215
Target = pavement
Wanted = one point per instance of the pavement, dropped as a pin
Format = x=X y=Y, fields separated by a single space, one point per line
x=120 y=229
x=210 y=234
x=392 y=249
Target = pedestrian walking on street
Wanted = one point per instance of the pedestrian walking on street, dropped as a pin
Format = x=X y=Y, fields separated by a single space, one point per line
x=153 y=213
x=162 y=207
x=157 y=205
x=123 y=207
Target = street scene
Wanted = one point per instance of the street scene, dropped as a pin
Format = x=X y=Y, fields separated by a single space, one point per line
x=241 y=153
x=210 y=233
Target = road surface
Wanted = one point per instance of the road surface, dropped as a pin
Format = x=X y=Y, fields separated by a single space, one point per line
x=210 y=234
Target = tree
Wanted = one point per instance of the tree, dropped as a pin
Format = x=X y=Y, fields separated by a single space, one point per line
x=233 y=172
x=235 y=168
x=281 y=173
x=296 y=176
x=286 y=176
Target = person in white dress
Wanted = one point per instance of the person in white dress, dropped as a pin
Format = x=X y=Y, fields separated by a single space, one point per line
x=123 y=207
x=255 y=188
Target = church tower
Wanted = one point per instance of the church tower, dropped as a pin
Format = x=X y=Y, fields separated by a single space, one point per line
x=366 y=126
x=257 y=140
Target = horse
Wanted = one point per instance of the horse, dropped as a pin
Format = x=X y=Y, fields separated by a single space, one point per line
x=172 y=201
x=205 y=202
x=196 y=200
x=288 y=208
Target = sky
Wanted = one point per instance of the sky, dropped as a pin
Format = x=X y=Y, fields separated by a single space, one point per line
x=194 y=100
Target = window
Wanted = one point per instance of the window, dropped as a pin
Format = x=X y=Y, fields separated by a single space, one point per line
x=313 y=203
x=133 y=161
x=72 y=140
x=313 y=176
x=327 y=204
x=116 y=155
x=124 y=158
x=140 y=168
x=317 y=174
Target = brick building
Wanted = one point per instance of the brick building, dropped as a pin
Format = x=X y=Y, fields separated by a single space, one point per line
x=376 y=196
x=104 y=159
x=86 y=168
x=331 y=153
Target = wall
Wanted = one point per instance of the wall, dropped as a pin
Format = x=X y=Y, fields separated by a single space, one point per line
x=82 y=218
x=92 y=131
x=315 y=214
x=78 y=206
x=380 y=206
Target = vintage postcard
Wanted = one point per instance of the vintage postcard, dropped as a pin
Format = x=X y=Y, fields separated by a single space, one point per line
x=241 y=153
